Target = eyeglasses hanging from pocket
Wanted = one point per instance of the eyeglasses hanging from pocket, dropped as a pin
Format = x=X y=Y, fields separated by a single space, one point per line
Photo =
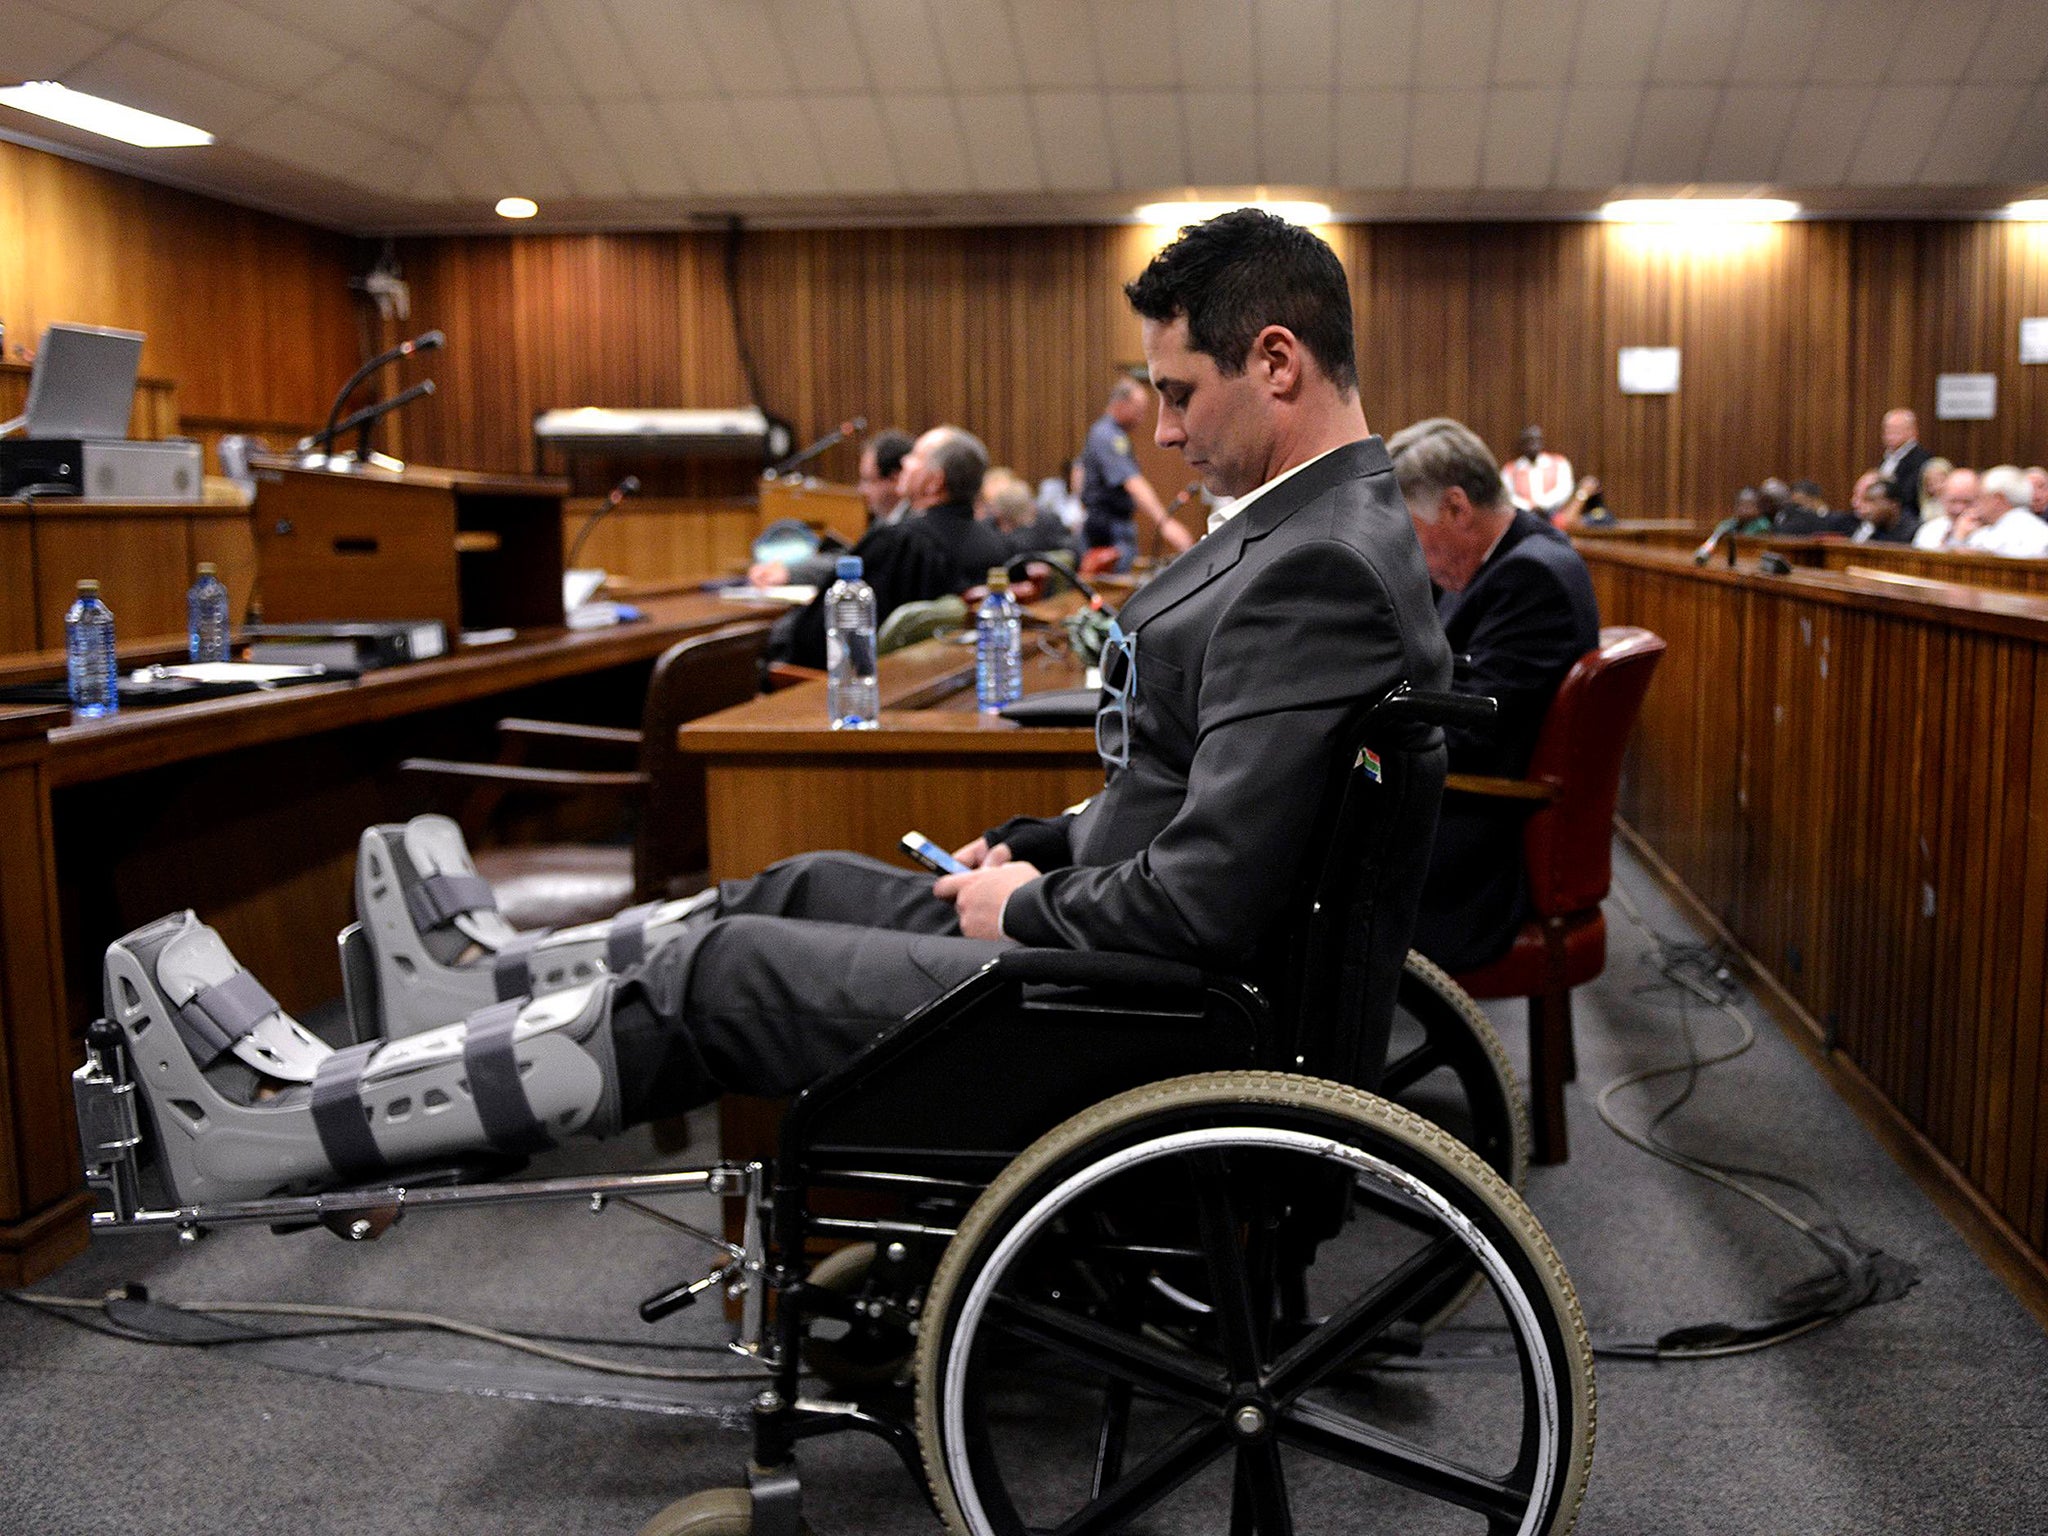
x=1119 y=687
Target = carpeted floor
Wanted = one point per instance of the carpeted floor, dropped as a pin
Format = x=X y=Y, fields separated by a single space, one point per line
x=1927 y=1414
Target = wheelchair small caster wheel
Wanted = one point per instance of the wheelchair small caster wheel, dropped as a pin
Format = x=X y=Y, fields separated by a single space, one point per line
x=712 y=1512
x=871 y=1352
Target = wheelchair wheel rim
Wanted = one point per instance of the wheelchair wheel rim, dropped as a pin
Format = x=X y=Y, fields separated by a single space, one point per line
x=1541 y=1386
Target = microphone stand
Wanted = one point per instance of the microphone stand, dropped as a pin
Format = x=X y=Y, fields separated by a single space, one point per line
x=630 y=486
x=361 y=422
x=318 y=450
x=832 y=439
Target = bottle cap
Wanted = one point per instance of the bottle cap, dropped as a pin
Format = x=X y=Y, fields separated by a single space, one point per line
x=208 y=568
x=849 y=567
x=998 y=579
x=88 y=588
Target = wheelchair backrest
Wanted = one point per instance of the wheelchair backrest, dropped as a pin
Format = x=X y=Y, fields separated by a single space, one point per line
x=1354 y=911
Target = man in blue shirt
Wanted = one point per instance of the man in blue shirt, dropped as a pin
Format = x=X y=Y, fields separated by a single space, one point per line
x=1113 y=488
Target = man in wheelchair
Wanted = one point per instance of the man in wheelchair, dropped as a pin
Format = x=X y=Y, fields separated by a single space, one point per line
x=1236 y=887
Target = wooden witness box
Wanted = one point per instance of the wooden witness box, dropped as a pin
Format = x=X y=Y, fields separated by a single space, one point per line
x=474 y=549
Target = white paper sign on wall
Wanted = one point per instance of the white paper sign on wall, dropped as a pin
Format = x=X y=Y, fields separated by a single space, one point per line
x=1649 y=370
x=2034 y=339
x=1965 y=396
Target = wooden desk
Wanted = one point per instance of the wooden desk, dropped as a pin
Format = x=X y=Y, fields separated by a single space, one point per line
x=782 y=782
x=246 y=810
x=142 y=553
x=1849 y=776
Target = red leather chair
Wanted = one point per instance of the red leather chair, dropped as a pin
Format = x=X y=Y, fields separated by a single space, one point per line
x=1574 y=775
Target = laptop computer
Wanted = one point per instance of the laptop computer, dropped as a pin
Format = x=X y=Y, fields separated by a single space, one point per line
x=83 y=386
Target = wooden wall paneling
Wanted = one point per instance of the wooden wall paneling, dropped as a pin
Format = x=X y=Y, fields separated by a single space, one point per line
x=18 y=605
x=141 y=562
x=249 y=314
x=1640 y=308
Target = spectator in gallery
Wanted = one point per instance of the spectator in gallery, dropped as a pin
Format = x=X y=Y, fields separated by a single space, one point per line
x=1009 y=507
x=1932 y=478
x=1061 y=495
x=1805 y=512
x=2037 y=484
x=1879 y=517
x=1587 y=508
x=1904 y=458
x=1749 y=514
x=1958 y=495
x=1537 y=481
x=2002 y=522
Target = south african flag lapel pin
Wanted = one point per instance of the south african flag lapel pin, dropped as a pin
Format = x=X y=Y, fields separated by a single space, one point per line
x=1369 y=760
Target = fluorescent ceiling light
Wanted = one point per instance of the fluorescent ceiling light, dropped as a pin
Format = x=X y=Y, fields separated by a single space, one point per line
x=2032 y=210
x=1699 y=210
x=46 y=98
x=1173 y=215
x=517 y=207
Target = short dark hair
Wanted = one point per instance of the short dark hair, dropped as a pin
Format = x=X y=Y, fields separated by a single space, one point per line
x=1237 y=273
x=1887 y=488
x=888 y=448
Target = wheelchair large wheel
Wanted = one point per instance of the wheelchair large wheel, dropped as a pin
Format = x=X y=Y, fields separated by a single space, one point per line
x=1319 y=1217
x=1446 y=1062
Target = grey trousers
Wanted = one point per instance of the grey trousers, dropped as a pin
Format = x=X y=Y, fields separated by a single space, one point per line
x=796 y=971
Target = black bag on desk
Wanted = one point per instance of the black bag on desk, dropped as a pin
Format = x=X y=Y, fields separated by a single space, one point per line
x=1057 y=707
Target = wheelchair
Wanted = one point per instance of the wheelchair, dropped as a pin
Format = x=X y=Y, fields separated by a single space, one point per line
x=1154 y=1264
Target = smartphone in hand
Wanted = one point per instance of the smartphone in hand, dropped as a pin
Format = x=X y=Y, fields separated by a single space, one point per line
x=931 y=855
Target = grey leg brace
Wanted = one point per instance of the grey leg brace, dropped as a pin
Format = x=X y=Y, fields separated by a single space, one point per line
x=245 y=1103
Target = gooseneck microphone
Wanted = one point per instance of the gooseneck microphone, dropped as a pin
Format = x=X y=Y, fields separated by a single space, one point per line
x=1723 y=531
x=324 y=438
x=838 y=435
x=630 y=486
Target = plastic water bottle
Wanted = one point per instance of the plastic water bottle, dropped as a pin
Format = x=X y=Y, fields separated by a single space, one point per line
x=90 y=667
x=998 y=646
x=851 y=696
x=206 y=616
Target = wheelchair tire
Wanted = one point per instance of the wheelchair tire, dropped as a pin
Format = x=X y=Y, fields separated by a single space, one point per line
x=709 y=1512
x=1457 y=1073
x=1027 y=1313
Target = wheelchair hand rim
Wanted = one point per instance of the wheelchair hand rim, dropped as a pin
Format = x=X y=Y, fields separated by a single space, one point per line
x=1393 y=1180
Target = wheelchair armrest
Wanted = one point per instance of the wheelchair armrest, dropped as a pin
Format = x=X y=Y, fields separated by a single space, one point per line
x=1421 y=706
x=1095 y=968
x=1498 y=788
x=561 y=780
x=563 y=731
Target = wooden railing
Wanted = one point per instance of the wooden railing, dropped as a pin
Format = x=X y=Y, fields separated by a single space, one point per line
x=1850 y=774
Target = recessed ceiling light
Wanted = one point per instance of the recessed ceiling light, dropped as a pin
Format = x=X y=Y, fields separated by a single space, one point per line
x=2031 y=210
x=1173 y=215
x=1699 y=210
x=517 y=207
x=95 y=114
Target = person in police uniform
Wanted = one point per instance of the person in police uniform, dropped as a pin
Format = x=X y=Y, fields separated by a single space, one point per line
x=1113 y=489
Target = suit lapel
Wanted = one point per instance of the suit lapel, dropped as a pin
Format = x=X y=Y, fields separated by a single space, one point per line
x=1221 y=550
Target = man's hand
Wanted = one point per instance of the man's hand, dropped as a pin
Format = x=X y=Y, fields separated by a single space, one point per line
x=978 y=852
x=979 y=895
x=769 y=573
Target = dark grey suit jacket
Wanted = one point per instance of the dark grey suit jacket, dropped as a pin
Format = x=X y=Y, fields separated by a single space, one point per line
x=1258 y=652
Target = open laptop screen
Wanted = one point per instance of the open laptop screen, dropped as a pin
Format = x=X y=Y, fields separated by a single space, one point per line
x=84 y=382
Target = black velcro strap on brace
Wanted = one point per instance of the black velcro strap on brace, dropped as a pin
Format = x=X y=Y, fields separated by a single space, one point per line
x=338 y=1112
x=435 y=899
x=494 y=1086
x=511 y=967
x=222 y=1014
x=625 y=942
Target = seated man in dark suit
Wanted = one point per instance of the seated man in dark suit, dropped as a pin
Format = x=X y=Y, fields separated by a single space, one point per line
x=1517 y=607
x=938 y=548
